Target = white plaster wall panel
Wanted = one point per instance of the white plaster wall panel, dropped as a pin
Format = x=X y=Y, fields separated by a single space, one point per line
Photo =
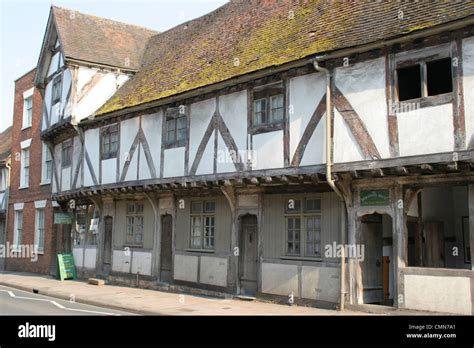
x=363 y=84
x=128 y=132
x=268 y=150
x=426 y=130
x=83 y=76
x=200 y=116
x=186 y=268
x=233 y=109
x=92 y=146
x=213 y=271
x=438 y=294
x=143 y=170
x=66 y=105
x=141 y=262
x=174 y=162
x=225 y=163
x=468 y=88
x=90 y=257
x=315 y=152
x=66 y=178
x=320 y=283
x=47 y=101
x=77 y=254
x=121 y=261
x=53 y=64
x=280 y=279
x=102 y=91
x=109 y=171
x=305 y=94
x=151 y=125
x=346 y=148
x=206 y=165
x=55 y=112
x=247 y=201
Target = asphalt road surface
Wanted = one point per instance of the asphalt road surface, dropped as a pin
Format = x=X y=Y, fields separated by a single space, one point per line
x=19 y=302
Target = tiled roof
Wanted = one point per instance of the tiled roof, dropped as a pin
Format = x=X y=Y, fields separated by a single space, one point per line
x=98 y=40
x=244 y=36
x=5 y=143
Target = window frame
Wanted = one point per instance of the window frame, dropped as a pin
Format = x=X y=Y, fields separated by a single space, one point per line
x=27 y=112
x=134 y=215
x=47 y=162
x=18 y=230
x=268 y=93
x=302 y=214
x=69 y=146
x=108 y=131
x=173 y=116
x=421 y=58
x=25 y=167
x=57 y=81
x=39 y=247
x=203 y=214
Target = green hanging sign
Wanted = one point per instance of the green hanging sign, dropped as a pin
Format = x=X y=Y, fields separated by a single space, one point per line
x=374 y=197
x=66 y=267
x=62 y=219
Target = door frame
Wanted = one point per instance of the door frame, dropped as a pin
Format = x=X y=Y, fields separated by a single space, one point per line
x=171 y=246
x=258 y=252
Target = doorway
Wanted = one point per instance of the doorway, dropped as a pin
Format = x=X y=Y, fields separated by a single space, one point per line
x=166 y=273
x=107 y=260
x=248 y=259
x=377 y=265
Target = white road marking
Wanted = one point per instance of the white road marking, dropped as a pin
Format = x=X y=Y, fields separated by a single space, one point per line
x=12 y=294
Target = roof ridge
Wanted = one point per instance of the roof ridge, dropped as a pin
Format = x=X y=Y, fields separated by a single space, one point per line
x=105 y=18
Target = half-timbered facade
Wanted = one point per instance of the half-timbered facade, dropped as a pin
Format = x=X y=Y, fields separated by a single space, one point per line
x=259 y=152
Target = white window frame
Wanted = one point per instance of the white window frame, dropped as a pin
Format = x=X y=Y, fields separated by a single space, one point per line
x=17 y=237
x=39 y=230
x=44 y=179
x=27 y=118
x=25 y=146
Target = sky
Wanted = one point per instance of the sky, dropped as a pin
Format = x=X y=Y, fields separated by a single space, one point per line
x=23 y=23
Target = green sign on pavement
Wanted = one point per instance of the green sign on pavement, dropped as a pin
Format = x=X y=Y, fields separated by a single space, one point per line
x=66 y=267
x=374 y=197
x=62 y=219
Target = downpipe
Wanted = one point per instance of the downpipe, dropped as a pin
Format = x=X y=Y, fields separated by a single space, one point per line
x=329 y=164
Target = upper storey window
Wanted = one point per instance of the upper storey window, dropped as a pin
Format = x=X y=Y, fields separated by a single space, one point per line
x=176 y=127
x=109 y=141
x=268 y=108
x=27 y=108
x=56 y=93
x=66 y=153
x=424 y=79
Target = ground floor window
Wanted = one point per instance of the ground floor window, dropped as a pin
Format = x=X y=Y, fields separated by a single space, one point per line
x=18 y=231
x=202 y=224
x=86 y=226
x=39 y=230
x=134 y=218
x=303 y=227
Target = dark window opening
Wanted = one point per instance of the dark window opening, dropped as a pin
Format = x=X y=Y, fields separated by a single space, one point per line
x=66 y=153
x=176 y=128
x=409 y=82
x=439 y=76
x=268 y=108
x=56 y=93
x=110 y=142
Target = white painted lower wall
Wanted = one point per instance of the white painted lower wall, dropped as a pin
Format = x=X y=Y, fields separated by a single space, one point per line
x=212 y=269
x=85 y=257
x=186 y=268
x=132 y=261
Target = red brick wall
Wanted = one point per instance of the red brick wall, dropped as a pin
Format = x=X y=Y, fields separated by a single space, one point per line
x=35 y=191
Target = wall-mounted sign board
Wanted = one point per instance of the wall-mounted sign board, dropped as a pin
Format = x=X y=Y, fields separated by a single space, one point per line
x=62 y=219
x=374 y=197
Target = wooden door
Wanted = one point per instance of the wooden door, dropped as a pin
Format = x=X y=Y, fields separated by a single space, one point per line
x=249 y=255
x=108 y=228
x=166 y=274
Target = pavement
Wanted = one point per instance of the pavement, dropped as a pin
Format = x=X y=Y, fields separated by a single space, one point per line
x=150 y=302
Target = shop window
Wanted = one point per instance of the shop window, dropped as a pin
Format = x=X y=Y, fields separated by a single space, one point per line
x=109 y=142
x=268 y=108
x=202 y=225
x=134 y=219
x=424 y=79
x=303 y=227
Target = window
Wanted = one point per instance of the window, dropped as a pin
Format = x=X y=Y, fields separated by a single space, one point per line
x=176 y=130
x=47 y=165
x=424 y=79
x=303 y=227
x=25 y=158
x=202 y=225
x=66 y=153
x=56 y=93
x=27 y=111
x=110 y=142
x=268 y=107
x=134 y=220
x=39 y=230
x=18 y=231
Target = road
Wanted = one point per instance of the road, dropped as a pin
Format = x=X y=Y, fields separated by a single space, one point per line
x=19 y=302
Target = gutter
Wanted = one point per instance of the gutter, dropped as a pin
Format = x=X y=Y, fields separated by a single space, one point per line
x=344 y=52
x=329 y=162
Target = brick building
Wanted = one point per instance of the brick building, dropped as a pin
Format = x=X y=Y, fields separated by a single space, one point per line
x=30 y=211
